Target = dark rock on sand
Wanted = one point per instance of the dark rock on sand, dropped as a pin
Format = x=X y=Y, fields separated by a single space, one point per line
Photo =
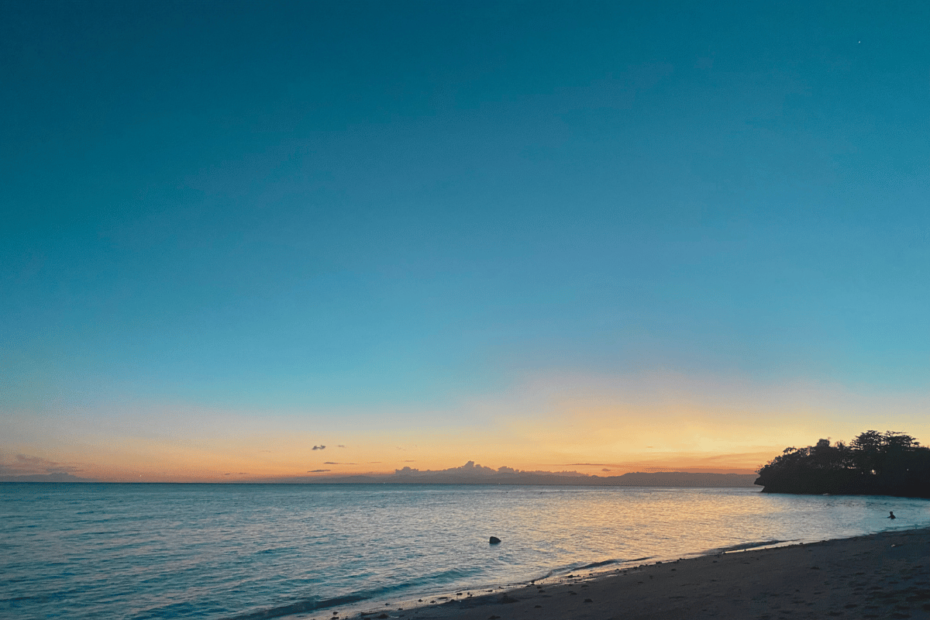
x=495 y=540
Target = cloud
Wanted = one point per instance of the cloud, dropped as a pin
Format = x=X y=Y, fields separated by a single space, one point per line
x=54 y=477
x=727 y=462
x=583 y=464
x=468 y=468
x=319 y=447
x=335 y=463
x=317 y=471
x=471 y=471
x=27 y=465
x=606 y=469
x=340 y=446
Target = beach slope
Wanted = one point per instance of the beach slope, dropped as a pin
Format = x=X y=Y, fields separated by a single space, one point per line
x=884 y=575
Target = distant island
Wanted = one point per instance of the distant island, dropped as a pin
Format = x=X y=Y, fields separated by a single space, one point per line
x=470 y=473
x=873 y=463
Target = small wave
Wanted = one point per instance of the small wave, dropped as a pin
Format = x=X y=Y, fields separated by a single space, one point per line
x=590 y=566
x=451 y=575
x=273 y=550
x=300 y=607
x=599 y=564
x=744 y=546
x=316 y=604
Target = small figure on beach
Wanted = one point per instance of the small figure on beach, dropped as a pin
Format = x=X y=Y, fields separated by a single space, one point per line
x=891 y=514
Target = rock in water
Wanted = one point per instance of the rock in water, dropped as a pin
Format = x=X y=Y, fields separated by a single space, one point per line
x=495 y=540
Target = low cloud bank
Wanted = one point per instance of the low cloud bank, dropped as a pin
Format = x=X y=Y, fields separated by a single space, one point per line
x=470 y=470
x=26 y=468
x=472 y=473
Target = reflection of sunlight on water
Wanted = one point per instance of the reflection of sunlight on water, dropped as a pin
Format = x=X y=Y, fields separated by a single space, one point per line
x=618 y=524
x=217 y=551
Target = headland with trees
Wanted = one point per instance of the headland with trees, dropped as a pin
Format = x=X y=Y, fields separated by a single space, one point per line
x=889 y=463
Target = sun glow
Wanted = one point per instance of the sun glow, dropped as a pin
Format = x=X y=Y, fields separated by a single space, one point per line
x=594 y=425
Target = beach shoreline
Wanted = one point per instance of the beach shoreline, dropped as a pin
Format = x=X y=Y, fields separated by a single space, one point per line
x=883 y=575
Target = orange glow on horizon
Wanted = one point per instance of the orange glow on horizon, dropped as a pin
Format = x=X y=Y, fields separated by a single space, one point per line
x=596 y=426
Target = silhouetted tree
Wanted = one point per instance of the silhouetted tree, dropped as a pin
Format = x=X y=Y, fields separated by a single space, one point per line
x=874 y=463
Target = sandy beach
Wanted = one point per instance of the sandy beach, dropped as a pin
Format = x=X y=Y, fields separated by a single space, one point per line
x=884 y=575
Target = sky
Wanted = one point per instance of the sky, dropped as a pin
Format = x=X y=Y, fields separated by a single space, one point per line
x=246 y=239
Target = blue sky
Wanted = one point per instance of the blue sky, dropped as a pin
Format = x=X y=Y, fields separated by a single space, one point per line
x=378 y=214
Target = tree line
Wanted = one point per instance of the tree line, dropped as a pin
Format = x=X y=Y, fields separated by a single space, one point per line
x=889 y=463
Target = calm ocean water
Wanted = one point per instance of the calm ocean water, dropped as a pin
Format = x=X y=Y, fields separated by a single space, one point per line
x=241 y=551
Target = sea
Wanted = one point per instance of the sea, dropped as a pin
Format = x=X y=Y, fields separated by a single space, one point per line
x=250 y=551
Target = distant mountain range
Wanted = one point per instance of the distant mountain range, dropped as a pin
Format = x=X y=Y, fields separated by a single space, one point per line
x=476 y=474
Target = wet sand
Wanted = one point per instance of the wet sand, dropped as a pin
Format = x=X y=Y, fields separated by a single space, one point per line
x=884 y=575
